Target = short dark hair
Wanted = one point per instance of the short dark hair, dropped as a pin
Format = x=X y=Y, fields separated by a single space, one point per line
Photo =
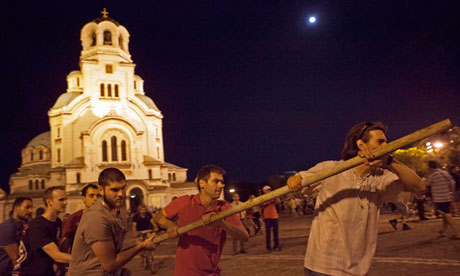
x=48 y=194
x=433 y=164
x=357 y=132
x=85 y=189
x=110 y=175
x=205 y=172
x=18 y=201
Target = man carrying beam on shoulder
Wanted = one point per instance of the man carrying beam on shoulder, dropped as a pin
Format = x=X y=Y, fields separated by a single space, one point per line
x=198 y=251
x=343 y=235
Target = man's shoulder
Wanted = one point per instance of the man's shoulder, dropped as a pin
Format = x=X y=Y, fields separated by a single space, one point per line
x=7 y=225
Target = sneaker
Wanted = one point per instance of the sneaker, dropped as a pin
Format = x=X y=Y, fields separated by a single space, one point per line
x=405 y=227
x=393 y=223
x=278 y=249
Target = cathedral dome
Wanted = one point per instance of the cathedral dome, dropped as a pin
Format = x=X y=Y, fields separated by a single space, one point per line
x=41 y=139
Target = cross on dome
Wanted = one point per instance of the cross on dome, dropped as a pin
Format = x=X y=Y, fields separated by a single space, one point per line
x=104 y=13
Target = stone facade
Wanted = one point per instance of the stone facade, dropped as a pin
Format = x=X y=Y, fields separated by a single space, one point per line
x=104 y=119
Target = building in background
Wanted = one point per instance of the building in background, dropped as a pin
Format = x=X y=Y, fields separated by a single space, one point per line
x=104 y=119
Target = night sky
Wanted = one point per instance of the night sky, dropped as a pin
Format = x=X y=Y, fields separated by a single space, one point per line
x=248 y=85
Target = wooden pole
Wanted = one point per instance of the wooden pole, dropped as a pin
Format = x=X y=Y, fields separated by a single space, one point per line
x=385 y=149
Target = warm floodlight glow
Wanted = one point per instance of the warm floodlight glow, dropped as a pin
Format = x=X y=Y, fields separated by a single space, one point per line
x=231 y=190
x=438 y=145
x=428 y=143
x=312 y=19
x=430 y=150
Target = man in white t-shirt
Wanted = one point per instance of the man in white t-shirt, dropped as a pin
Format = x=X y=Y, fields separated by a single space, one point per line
x=343 y=235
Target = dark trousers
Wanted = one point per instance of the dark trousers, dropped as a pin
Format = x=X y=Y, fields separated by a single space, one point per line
x=269 y=224
x=421 y=209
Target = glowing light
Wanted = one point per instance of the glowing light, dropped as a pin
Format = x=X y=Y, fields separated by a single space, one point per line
x=312 y=19
x=430 y=150
x=438 y=145
x=428 y=143
x=132 y=196
x=231 y=190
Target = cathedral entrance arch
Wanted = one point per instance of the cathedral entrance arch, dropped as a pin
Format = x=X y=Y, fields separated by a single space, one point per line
x=137 y=194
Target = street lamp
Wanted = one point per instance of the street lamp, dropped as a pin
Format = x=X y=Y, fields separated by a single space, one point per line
x=232 y=190
x=438 y=145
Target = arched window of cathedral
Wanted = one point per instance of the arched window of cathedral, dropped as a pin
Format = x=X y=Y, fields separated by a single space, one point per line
x=31 y=156
x=31 y=185
x=58 y=132
x=104 y=151
x=109 y=90
x=78 y=82
x=150 y=174
x=174 y=176
x=107 y=38
x=36 y=185
x=40 y=155
x=135 y=85
x=123 y=150
x=102 y=90
x=169 y=176
x=120 y=42
x=78 y=178
x=43 y=184
x=93 y=39
x=59 y=155
x=113 y=142
x=116 y=90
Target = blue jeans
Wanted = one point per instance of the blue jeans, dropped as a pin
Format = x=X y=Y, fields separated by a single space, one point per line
x=308 y=272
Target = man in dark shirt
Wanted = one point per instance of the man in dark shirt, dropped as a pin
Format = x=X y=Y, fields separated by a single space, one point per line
x=12 y=249
x=143 y=220
x=90 y=194
x=43 y=234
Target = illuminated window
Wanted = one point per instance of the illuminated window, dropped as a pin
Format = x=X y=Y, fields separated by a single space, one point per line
x=108 y=68
x=36 y=184
x=40 y=155
x=43 y=184
x=104 y=151
x=31 y=184
x=123 y=150
x=116 y=90
x=109 y=90
x=59 y=155
x=120 y=42
x=78 y=178
x=107 y=38
x=102 y=90
x=113 y=146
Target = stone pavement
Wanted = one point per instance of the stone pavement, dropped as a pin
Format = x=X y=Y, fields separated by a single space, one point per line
x=419 y=251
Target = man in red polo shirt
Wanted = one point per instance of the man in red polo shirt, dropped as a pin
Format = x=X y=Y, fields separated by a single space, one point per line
x=198 y=251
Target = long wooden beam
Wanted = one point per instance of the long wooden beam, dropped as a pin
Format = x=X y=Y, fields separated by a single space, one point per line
x=385 y=149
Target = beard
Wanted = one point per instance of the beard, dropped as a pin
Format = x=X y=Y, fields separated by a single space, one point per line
x=111 y=203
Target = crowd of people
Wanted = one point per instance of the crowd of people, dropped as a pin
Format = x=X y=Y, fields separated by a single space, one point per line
x=342 y=239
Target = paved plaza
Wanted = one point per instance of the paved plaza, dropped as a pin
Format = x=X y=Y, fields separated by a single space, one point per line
x=419 y=251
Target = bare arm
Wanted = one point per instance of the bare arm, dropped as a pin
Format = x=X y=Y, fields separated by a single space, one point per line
x=411 y=181
x=53 y=251
x=105 y=253
x=237 y=232
x=134 y=228
x=13 y=252
x=163 y=221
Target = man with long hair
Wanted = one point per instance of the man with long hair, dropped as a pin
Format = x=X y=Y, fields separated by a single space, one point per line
x=343 y=234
